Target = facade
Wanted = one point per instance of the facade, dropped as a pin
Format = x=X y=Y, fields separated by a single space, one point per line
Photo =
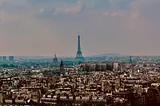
x=1 y=58
x=115 y=66
x=4 y=58
x=11 y=58
x=96 y=67
x=55 y=61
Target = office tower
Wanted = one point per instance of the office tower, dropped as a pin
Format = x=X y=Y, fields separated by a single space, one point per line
x=11 y=58
x=55 y=59
x=79 y=55
x=4 y=58
x=115 y=66
x=1 y=58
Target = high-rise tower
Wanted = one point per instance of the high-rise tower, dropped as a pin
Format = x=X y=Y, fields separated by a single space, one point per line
x=11 y=58
x=55 y=61
x=79 y=55
x=4 y=58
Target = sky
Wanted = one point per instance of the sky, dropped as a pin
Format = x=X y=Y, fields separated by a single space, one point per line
x=46 y=27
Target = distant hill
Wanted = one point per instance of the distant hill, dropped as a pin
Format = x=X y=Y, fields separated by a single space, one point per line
x=107 y=54
x=63 y=58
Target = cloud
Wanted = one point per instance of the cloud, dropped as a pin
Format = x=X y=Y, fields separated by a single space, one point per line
x=43 y=27
x=22 y=34
x=142 y=25
x=149 y=9
x=69 y=9
x=75 y=9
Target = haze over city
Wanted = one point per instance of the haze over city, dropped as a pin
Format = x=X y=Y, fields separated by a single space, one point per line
x=45 y=27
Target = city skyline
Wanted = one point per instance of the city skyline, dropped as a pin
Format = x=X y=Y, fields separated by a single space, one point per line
x=45 y=27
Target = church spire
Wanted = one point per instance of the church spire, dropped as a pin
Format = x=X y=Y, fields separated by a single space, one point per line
x=61 y=66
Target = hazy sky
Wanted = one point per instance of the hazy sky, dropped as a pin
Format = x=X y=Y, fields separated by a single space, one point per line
x=45 y=27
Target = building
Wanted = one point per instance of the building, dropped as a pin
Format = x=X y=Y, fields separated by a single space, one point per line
x=96 y=66
x=11 y=58
x=115 y=66
x=55 y=61
x=4 y=58
x=1 y=59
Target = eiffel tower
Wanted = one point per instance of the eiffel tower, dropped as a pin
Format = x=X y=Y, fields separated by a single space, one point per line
x=79 y=55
